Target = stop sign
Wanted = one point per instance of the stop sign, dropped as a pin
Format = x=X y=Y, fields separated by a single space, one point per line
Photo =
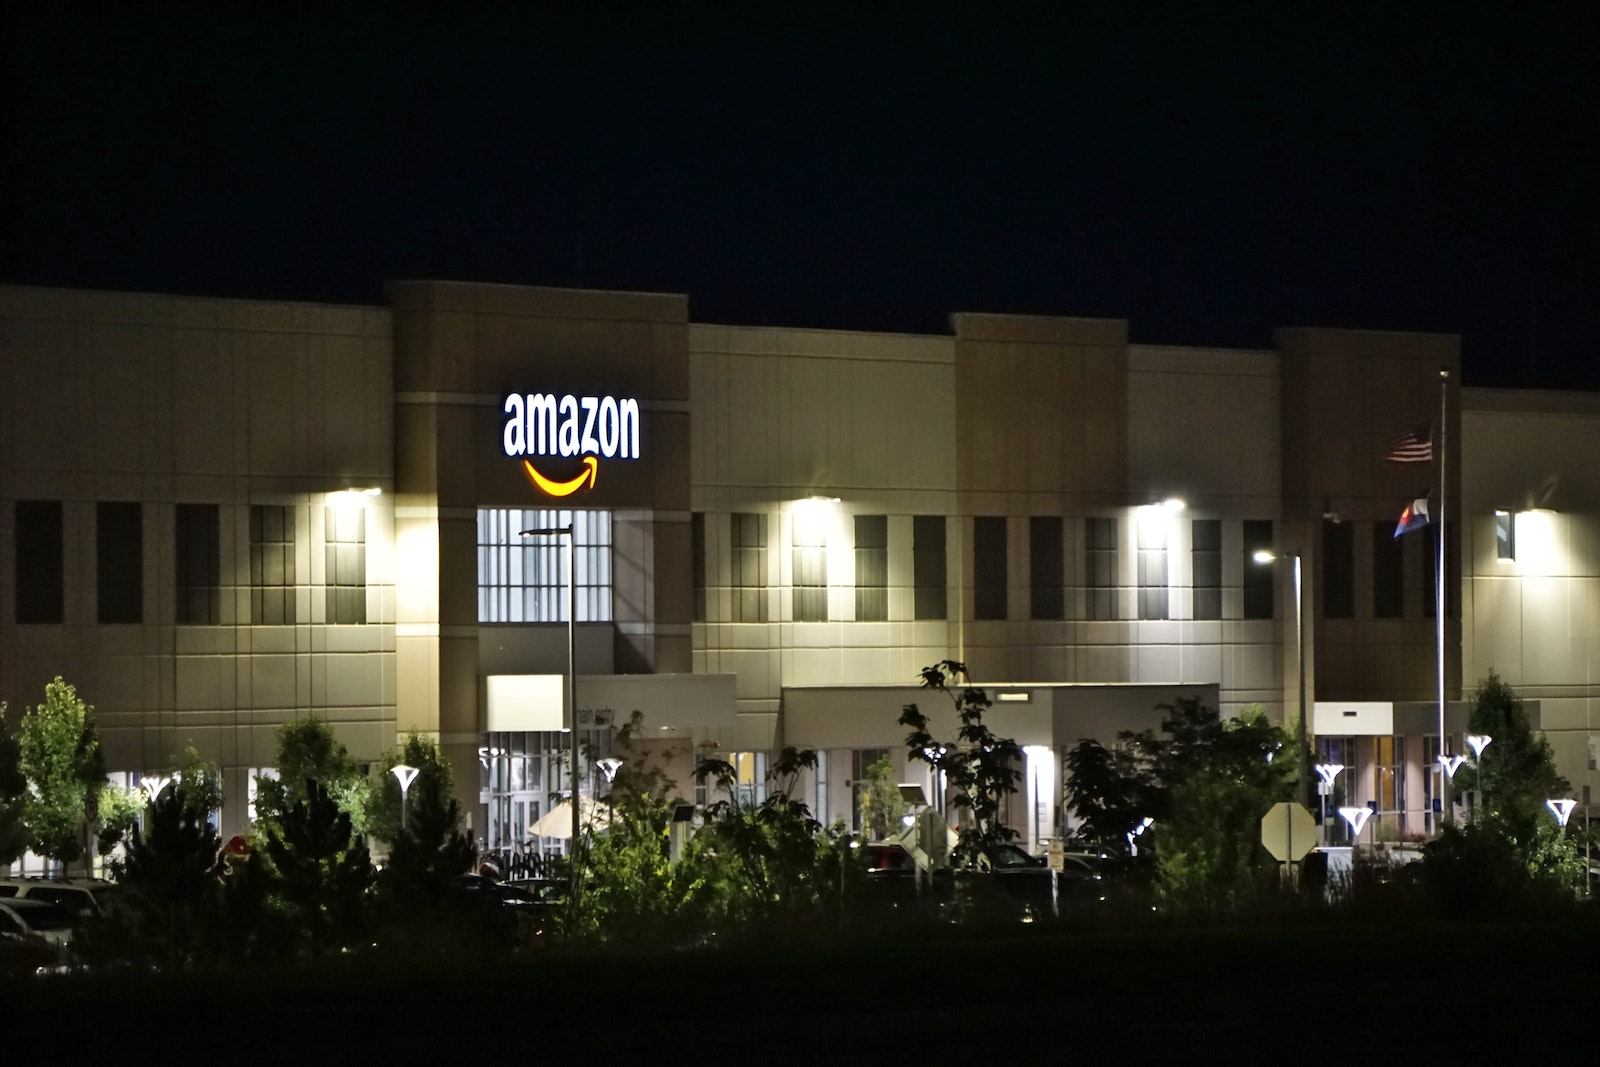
x=1288 y=831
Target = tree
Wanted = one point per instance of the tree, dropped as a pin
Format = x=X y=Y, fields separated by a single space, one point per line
x=1513 y=854
x=319 y=870
x=881 y=802
x=1518 y=771
x=13 y=796
x=1105 y=789
x=980 y=766
x=420 y=901
x=168 y=894
x=201 y=782
x=386 y=807
x=119 y=816
x=61 y=758
x=308 y=751
x=764 y=864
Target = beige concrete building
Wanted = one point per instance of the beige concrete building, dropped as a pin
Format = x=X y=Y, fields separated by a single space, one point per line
x=220 y=515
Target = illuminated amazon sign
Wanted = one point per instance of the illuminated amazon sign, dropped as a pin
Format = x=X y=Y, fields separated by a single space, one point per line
x=593 y=427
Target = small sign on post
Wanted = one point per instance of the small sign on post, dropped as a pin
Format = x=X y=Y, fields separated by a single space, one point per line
x=1057 y=854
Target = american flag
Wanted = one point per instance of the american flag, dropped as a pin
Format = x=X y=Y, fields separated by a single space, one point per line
x=1413 y=446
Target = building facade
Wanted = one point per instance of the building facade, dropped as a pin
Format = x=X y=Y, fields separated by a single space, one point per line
x=220 y=515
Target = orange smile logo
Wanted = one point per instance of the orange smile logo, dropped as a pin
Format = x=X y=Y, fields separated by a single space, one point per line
x=568 y=487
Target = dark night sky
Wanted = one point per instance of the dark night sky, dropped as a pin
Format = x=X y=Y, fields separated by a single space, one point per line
x=1209 y=176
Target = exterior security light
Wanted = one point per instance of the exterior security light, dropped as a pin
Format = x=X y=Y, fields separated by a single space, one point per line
x=1479 y=742
x=154 y=786
x=1261 y=555
x=1328 y=772
x=1561 y=809
x=1451 y=764
x=609 y=767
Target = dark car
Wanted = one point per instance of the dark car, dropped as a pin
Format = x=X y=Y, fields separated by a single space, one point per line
x=36 y=919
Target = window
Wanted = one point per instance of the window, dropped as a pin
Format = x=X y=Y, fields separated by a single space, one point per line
x=1100 y=570
x=862 y=760
x=40 y=596
x=196 y=565
x=1338 y=570
x=820 y=809
x=1389 y=786
x=345 y=535
x=810 y=559
x=872 y=568
x=989 y=567
x=697 y=556
x=1341 y=751
x=928 y=566
x=750 y=777
x=272 y=601
x=749 y=575
x=1046 y=578
x=1257 y=576
x=1388 y=572
x=1153 y=523
x=1505 y=536
x=524 y=579
x=119 y=562
x=1205 y=558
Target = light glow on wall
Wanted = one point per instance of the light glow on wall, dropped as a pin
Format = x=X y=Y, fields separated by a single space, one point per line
x=1540 y=550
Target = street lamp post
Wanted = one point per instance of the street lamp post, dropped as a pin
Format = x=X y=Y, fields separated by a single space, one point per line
x=571 y=694
x=1479 y=742
x=1263 y=556
x=405 y=776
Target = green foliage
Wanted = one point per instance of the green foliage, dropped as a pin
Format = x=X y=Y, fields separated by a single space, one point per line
x=201 y=782
x=421 y=905
x=1105 y=788
x=60 y=756
x=1518 y=773
x=434 y=779
x=881 y=802
x=119 y=816
x=307 y=751
x=320 y=871
x=1513 y=855
x=980 y=766
x=765 y=865
x=168 y=898
x=13 y=796
x=1206 y=783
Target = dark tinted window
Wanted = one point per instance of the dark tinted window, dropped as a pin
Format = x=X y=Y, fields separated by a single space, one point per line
x=872 y=568
x=39 y=561
x=1388 y=572
x=1206 y=560
x=119 y=562
x=1258 y=576
x=928 y=564
x=989 y=567
x=1046 y=568
x=197 y=564
x=1338 y=570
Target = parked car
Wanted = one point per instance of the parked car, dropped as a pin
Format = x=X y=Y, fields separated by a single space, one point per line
x=80 y=898
x=36 y=919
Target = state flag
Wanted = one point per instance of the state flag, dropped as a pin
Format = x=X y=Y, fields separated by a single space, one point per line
x=1414 y=517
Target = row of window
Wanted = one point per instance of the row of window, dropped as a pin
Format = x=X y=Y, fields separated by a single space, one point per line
x=197 y=564
x=1048 y=585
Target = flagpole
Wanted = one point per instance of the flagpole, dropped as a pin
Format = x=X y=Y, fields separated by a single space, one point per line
x=1444 y=392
